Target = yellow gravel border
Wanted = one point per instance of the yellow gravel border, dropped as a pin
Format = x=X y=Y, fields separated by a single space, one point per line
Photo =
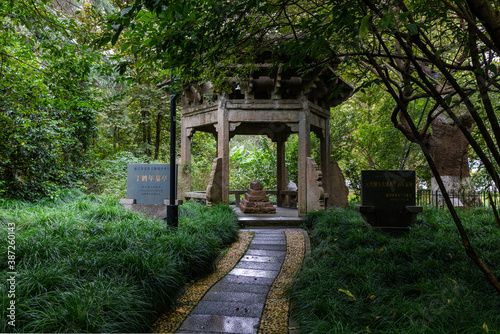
x=275 y=314
x=170 y=321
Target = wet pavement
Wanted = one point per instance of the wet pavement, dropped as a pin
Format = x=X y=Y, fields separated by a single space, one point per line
x=284 y=217
x=235 y=303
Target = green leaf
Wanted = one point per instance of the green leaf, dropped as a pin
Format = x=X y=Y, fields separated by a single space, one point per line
x=447 y=99
x=385 y=21
x=125 y=11
x=125 y=46
x=492 y=68
x=412 y=28
x=363 y=27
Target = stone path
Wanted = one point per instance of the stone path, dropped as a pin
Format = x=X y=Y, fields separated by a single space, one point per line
x=235 y=303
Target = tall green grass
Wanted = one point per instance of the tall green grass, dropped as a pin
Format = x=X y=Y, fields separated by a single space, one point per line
x=421 y=282
x=85 y=264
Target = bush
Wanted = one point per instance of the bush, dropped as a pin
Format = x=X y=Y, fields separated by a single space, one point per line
x=358 y=279
x=110 y=177
x=84 y=264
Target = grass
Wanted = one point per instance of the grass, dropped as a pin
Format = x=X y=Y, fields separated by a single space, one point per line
x=84 y=264
x=421 y=282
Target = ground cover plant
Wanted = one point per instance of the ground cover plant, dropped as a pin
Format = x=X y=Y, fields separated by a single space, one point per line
x=84 y=264
x=360 y=280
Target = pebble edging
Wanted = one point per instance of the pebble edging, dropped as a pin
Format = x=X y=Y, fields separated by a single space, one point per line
x=170 y=321
x=275 y=314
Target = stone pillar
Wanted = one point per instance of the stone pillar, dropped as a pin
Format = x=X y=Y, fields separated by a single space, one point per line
x=325 y=159
x=214 y=190
x=185 y=166
x=304 y=152
x=281 y=172
x=223 y=146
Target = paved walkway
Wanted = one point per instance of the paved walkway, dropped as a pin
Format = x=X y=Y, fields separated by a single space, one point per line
x=283 y=217
x=235 y=303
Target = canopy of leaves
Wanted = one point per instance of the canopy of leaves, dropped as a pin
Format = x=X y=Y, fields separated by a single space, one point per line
x=47 y=111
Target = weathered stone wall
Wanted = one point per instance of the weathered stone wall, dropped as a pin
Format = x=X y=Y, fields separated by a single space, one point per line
x=214 y=188
x=338 y=197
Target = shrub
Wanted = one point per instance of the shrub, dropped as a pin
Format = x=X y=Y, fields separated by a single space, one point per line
x=358 y=279
x=84 y=264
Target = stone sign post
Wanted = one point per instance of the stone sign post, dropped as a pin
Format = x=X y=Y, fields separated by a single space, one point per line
x=148 y=189
x=388 y=199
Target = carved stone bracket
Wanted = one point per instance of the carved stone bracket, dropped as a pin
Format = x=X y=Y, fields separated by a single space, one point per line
x=190 y=132
x=233 y=126
x=294 y=127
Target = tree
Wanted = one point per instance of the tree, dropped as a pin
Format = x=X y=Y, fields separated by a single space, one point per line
x=363 y=139
x=47 y=111
x=438 y=50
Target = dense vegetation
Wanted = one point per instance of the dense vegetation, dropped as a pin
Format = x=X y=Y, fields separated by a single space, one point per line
x=361 y=280
x=71 y=106
x=84 y=264
x=85 y=90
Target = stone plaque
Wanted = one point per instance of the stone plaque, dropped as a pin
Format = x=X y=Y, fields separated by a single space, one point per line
x=388 y=190
x=148 y=183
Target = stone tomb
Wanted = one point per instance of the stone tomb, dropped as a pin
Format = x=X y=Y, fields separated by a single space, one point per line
x=256 y=200
x=388 y=199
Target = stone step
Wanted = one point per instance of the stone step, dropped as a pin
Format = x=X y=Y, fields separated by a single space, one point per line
x=270 y=221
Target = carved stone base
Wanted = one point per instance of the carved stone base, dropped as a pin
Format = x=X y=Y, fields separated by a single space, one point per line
x=256 y=200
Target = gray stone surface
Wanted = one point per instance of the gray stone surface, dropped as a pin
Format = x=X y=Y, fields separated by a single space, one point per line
x=224 y=286
x=315 y=190
x=264 y=252
x=265 y=259
x=148 y=183
x=254 y=273
x=151 y=210
x=339 y=194
x=235 y=303
x=231 y=309
x=214 y=187
x=269 y=241
x=247 y=280
x=267 y=247
x=260 y=265
x=241 y=297
x=199 y=323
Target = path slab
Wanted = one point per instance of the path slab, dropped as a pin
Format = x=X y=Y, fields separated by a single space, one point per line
x=267 y=247
x=219 y=324
x=235 y=303
x=238 y=297
x=247 y=280
x=268 y=242
x=263 y=252
x=265 y=259
x=275 y=266
x=224 y=286
x=254 y=273
x=231 y=309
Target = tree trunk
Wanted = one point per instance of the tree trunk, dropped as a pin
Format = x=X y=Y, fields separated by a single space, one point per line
x=449 y=149
x=158 y=136
x=145 y=135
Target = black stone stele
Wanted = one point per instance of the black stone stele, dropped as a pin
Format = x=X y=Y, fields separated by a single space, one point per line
x=388 y=199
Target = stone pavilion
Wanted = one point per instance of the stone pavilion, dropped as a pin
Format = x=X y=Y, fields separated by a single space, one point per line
x=275 y=102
